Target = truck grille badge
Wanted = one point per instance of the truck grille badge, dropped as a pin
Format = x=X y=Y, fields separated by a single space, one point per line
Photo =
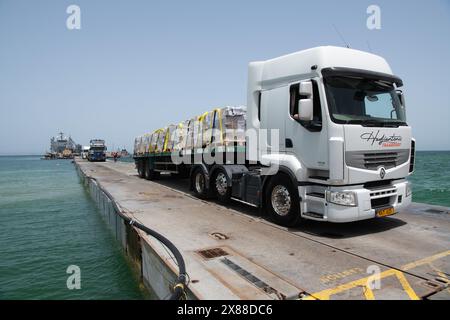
x=382 y=172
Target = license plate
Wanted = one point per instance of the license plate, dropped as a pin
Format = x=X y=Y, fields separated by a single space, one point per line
x=385 y=212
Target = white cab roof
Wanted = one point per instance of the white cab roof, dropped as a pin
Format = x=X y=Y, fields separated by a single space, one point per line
x=290 y=66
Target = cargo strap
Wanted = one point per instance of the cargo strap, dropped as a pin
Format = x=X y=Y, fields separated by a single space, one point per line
x=166 y=139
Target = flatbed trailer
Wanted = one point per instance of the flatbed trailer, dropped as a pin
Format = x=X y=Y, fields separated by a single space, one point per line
x=243 y=180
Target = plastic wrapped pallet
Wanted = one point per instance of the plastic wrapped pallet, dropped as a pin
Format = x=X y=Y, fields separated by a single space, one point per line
x=170 y=138
x=142 y=144
x=230 y=123
x=137 y=142
x=190 y=134
x=207 y=123
x=197 y=133
x=181 y=136
x=152 y=142
x=161 y=133
x=146 y=143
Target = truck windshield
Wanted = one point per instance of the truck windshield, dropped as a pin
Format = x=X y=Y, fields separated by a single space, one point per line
x=364 y=101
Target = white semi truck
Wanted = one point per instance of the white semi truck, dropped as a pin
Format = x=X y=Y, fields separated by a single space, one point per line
x=342 y=149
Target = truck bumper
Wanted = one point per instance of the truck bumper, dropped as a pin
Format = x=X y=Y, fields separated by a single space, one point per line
x=368 y=201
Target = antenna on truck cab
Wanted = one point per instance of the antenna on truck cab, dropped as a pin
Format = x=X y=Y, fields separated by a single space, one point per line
x=340 y=36
x=368 y=45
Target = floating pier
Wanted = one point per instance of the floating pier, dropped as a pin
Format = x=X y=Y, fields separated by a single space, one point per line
x=231 y=252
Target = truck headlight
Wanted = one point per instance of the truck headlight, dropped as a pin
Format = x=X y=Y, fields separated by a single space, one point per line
x=408 y=189
x=344 y=198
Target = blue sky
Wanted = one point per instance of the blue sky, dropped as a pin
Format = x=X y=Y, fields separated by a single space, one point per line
x=138 y=65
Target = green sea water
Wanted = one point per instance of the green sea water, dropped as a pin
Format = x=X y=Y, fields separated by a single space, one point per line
x=47 y=223
x=431 y=179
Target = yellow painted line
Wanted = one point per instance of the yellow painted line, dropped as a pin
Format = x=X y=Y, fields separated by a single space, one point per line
x=406 y=286
x=368 y=292
x=423 y=261
x=363 y=282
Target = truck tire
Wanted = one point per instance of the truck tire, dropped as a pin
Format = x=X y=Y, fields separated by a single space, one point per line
x=282 y=201
x=150 y=174
x=219 y=184
x=199 y=184
x=140 y=168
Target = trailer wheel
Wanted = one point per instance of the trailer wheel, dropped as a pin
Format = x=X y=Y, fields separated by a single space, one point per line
x=282 y=201
x=220 y=186
x=199 y=184
x=150 y=174
x=140 y=168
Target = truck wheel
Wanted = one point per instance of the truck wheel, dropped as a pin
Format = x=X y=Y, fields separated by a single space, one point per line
x=220 y=186
x=199 y=184
x=282 y=201
x=140 y=168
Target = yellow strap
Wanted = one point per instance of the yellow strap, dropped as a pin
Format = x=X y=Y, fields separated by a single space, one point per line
x=203 y=116
x=166 y=139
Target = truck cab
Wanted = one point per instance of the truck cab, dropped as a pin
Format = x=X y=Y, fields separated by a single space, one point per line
x=342 y=139
x=97 y=150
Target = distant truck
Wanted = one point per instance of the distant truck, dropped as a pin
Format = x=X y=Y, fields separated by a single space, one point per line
x=97 y=150
x=85 y=152
x=341 y=151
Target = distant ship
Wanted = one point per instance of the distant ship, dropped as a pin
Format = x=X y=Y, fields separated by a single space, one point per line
x=62 y=147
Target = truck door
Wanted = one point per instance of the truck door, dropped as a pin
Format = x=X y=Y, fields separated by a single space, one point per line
x=273 y=114
x=307 y=140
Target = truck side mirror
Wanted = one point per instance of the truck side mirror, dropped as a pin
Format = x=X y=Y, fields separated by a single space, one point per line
x=306 y=89
x=305 y=109
x=305 y=104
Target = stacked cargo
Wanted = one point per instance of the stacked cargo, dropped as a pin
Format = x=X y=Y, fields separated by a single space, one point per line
x=219 y=127
x=231 y=124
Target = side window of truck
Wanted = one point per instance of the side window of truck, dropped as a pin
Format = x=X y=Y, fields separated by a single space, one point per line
x=316 y=123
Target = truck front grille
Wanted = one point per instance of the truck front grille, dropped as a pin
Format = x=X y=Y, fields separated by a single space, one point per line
x=385 y=159
x=382 y=196
x=376 y=159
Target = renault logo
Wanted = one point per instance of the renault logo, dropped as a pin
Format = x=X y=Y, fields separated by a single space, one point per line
x=382 y=172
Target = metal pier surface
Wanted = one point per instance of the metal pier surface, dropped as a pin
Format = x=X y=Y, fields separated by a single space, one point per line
x=233 y=253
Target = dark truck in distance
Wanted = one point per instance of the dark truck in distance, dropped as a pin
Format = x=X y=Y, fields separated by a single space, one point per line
x=97 y=150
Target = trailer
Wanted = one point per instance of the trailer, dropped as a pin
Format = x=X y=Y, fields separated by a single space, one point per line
x=323 y=137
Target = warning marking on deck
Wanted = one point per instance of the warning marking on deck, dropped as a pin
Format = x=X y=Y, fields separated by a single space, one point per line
x=364 y=283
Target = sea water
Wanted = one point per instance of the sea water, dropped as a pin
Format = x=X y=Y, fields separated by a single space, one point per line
x=47 y=224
